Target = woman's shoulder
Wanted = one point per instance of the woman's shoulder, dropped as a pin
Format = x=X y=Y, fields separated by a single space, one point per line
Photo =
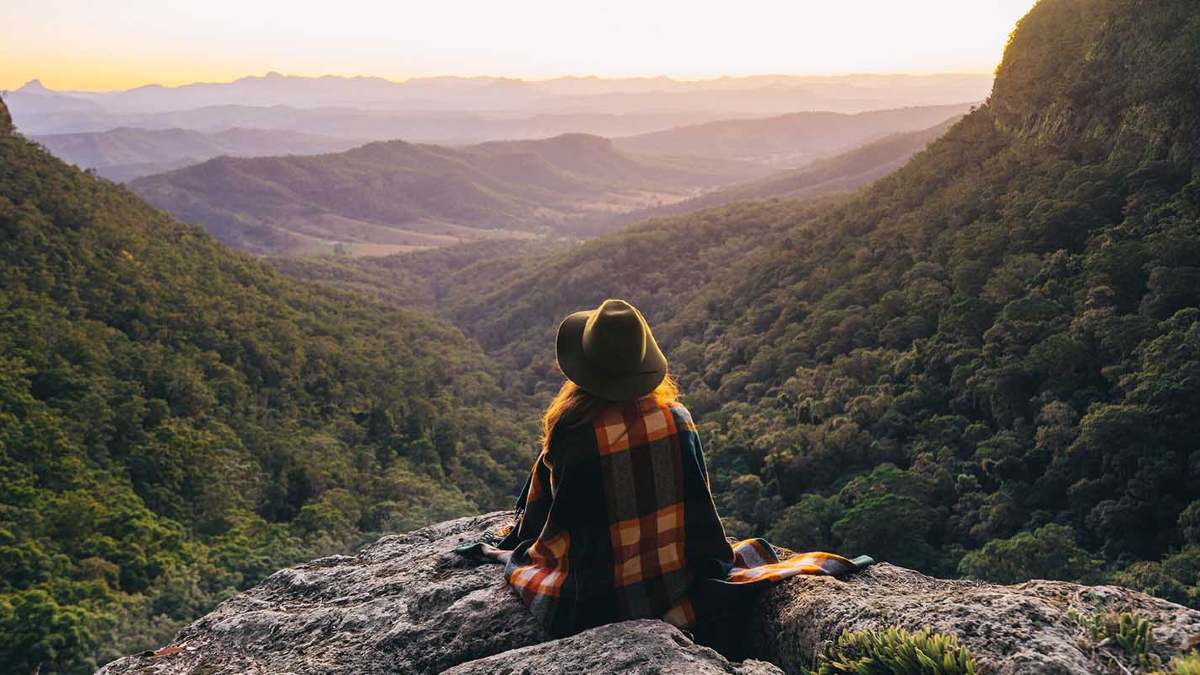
x=567 y=437
x=683 y=417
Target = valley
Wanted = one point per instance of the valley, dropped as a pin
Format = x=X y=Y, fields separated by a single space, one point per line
x=393 y=197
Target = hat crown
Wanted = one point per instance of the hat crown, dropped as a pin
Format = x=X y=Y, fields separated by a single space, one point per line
x=614 y=337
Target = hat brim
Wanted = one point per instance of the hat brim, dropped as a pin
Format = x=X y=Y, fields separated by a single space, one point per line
x=609 y=386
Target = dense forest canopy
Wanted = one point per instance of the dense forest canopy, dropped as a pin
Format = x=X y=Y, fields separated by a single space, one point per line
x=178 y=420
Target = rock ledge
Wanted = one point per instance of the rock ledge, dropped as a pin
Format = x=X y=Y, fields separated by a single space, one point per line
x=408 y=604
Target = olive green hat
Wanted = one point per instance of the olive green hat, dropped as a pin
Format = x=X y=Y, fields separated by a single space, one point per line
x=610 y=352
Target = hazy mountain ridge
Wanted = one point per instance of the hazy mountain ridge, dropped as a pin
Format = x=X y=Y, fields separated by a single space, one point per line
x=391 y=196
x=126 y=153
x=450 y=110
x=787 y=140
x=396 y=196
x=850 y=93
x=443 y=127
x=848 y=171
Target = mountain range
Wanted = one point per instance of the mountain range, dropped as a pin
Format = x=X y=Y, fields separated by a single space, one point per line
x=394 y=196
x=471 y=110
x=767 y=94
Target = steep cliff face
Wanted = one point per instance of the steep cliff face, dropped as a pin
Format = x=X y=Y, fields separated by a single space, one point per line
x=408 y=604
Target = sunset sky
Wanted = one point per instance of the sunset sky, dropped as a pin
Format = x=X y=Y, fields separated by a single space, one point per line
x=107 y=44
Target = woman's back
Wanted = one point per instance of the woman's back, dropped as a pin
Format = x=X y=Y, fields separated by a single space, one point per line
x=629 y=523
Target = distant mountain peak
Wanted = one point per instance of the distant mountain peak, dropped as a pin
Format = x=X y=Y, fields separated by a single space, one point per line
x=34 y=86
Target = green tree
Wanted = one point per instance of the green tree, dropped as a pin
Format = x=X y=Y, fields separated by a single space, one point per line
x=1049 y=552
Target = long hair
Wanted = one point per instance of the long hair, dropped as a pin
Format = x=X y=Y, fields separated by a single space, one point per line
x=573 y=406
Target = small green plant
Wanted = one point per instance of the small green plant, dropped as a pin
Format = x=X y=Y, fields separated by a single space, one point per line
x=1184 y=665
x=1112 y=635
x=1133 y=633
x=895 y=651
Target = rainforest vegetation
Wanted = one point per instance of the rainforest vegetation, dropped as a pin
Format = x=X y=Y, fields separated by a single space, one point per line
x=178 y=420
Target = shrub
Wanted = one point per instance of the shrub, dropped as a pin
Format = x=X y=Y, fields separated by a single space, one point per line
x=895 y=651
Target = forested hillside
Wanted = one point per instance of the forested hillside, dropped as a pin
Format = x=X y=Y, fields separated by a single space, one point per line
x=988 y=363
x=177 y=420
x=395 y=196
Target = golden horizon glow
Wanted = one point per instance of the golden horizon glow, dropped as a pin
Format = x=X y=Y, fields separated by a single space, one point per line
x=106 y=44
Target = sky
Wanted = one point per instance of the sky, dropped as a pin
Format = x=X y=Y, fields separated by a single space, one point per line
x=117 y=44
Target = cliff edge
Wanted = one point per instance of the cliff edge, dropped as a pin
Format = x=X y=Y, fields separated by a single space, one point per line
x=408 y=604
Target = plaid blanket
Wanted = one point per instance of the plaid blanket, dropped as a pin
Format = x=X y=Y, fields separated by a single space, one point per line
x=617 y=522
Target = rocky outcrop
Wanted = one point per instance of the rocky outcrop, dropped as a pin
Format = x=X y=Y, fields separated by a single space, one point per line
x=405 y=604
x=1035 y=627
x=408 y=604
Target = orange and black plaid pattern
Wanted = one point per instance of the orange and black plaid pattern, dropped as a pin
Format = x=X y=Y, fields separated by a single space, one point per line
x=617 y=522
x=755 y=561
x=547 y=568
x=649 y=546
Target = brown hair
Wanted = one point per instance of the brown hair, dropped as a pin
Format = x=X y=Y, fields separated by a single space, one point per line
x=573 y=406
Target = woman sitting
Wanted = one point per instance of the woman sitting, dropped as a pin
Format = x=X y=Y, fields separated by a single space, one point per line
x=617 y=519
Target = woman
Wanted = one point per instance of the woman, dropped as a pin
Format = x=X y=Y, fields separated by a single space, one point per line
x=617 y=519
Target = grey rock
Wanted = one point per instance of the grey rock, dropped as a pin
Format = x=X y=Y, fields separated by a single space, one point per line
x=1026 y=628
x=409 y=604
x=644 y=646
x=405 y=604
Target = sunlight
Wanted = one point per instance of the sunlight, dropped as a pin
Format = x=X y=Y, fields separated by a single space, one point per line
x=81 y=44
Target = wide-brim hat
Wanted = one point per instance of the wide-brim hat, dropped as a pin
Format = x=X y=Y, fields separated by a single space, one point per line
x=610 y=352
